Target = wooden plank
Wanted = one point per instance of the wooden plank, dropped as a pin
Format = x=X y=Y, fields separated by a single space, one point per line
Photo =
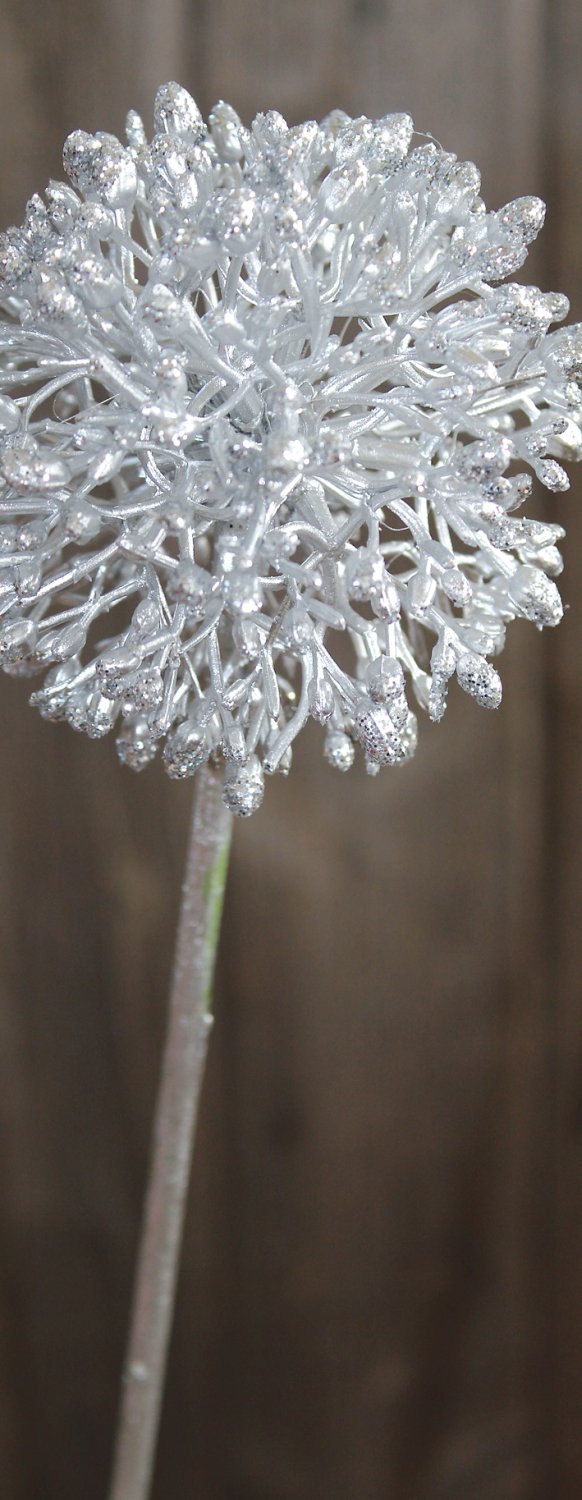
x=563 y=141
x=90 y=866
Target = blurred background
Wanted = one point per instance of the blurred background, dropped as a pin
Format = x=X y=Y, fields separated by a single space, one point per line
x=380 y=1294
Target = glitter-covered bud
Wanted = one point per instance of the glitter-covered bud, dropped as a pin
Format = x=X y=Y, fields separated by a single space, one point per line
x=264 y=443
x=344 y=190
x=113 y=670
x=176 y=112
x=365 y=573
x=478 y=678
x=523 y=216
x=296 y=630
x=100 y=715
x=100 y=286
x=242 y=592
x=191 y=585
x=443 y=665
x=456 y=586
x=234 y=220
x=227 y=132
x=186 y=749
x=233 y=745
x=26 y=469
x=136 y=745
x=244 y=787
x=82 y=521
x=536 y=597
x=100 y=165
x=385 y=679
x=377 y=734
x=58 y=645
x=144 y=688
x=339 y=750
x=53 y=697
x=321 y=700
x=17 y=641
x=421 y=595
x=27 y=578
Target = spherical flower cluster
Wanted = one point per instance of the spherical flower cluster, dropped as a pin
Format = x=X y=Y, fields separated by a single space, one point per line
x=264 y=415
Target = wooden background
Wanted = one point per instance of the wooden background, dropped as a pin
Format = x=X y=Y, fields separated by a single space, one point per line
x=381 y=1291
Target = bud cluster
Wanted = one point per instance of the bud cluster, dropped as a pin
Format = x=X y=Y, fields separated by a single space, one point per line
x=260 y=389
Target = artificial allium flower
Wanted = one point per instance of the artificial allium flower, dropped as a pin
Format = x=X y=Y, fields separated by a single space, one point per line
x=263 y=392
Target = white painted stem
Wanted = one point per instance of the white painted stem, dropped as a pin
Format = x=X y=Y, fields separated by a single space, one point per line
x=173 y=1141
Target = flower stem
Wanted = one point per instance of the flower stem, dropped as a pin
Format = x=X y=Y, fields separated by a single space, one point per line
x=182 y=1072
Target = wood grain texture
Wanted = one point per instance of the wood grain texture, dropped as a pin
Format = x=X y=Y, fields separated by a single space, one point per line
x=564 y=709
x=379 y=1293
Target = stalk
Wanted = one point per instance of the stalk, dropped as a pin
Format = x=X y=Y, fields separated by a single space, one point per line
x=189 y=1022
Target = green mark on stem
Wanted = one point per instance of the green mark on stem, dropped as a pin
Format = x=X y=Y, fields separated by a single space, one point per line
x=213 y=897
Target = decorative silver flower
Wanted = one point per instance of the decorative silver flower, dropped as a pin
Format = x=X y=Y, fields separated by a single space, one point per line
x=261 y=391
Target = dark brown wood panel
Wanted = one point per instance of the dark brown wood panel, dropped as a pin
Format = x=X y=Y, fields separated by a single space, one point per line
x=379 y=1286
x=564 y=713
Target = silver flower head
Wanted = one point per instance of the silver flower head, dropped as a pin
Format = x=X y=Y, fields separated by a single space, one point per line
x=261 y=389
